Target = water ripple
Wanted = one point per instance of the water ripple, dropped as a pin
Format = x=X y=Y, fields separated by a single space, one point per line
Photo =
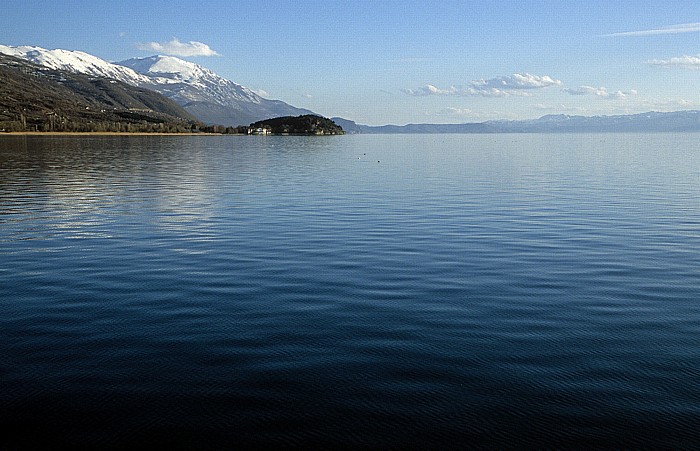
x=481 y=291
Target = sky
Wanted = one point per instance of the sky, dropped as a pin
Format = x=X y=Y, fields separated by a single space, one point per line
x=397 y=62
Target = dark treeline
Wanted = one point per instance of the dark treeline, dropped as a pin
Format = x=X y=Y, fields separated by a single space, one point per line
x=240 y=130
x=59 y=124
x=306 y=124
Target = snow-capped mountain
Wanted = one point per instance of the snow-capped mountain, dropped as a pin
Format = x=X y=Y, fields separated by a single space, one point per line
x=208 y=96
x=189 y=82
x=77 y=62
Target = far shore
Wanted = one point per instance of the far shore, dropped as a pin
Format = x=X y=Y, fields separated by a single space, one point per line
x=107 y=134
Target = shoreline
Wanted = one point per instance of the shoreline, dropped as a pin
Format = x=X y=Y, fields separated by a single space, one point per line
x=106 y=134
x=154 y=134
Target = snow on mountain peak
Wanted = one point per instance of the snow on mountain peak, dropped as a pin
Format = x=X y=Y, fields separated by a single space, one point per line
x=75 y=61
x=168 y=67
x=201 y=83
x=211 y=96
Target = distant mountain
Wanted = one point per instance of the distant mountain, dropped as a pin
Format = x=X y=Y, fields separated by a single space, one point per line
x=34 y=97
x=677 y=121
x=213 y=99
x=76 y=62
x=351 y=127
x=206 y=95
x=216 y=100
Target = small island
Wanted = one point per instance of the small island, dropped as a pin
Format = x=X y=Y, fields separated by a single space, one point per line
x=308 y=124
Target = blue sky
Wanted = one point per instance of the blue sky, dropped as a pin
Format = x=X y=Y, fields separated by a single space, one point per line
x=380 y=62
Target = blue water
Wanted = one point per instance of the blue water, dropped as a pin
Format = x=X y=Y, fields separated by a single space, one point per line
x=423 y=291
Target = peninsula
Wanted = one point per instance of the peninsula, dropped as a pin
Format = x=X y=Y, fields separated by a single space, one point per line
x=307 y=124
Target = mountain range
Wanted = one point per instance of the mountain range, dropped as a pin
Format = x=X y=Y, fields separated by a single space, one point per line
x=212 y=99
x=34 y=97
x=676 y=121
x=209 y=97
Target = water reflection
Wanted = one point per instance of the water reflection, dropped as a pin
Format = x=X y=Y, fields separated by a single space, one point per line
x=487 y=290
x=86 y=187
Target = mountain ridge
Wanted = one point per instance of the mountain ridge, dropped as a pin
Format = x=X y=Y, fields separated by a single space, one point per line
x=208 y=96
x=38 y=98
x=651 y=121
x=213 y=99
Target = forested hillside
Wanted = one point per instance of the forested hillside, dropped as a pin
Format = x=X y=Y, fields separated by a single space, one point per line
x=308 y=124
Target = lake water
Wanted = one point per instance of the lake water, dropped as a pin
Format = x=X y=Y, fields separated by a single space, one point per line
x=423 y=291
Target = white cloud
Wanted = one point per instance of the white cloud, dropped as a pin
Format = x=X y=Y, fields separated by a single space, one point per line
x=600 y=92
x=261 y=92
x=455 y=112
x=507 y=85
x=560 y=108
x=683 y=62
x=463 y=113
x=671 y=29
x=667 y=104
x=177 y=48
x=429 y=90
x=517 y=81
x=584 y=90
